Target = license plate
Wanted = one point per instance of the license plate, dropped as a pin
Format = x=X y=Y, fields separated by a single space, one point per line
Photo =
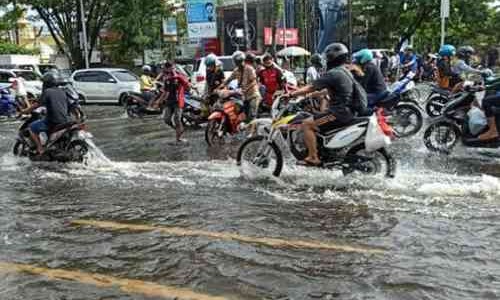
x=85 y=135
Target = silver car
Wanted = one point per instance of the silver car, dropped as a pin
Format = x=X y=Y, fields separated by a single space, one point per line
x=105 y=85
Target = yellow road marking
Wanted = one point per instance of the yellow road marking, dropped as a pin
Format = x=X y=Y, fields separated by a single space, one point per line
x=272 y=242
x=130 y=286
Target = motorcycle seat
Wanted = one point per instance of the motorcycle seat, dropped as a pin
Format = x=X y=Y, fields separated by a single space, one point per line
x=61 y=127
x=441 y=91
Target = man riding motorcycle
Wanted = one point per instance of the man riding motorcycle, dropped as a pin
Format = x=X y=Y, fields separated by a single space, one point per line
x=461 y=66
x=445 y=75
x=56 y=102
x=340 y=87
x=247 y=80
x=271 y=78
x=409 y=61
x=147 y=83
x=371 y=79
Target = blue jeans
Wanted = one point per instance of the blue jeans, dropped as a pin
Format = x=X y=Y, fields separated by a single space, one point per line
x=373 y=98
x=39 y=126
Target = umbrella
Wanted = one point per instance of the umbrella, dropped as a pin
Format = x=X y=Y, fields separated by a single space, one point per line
x=293 y=51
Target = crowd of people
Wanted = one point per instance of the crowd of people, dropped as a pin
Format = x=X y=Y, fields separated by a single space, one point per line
x=332 y=78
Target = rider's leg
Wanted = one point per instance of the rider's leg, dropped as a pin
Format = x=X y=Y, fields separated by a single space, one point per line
x=311 y=140
x=36 y=128
x=489 y=104
x=179 y=128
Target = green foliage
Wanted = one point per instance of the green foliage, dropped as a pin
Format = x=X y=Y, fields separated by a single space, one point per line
x=9 y=18
x=9 y=48
x=390 y=22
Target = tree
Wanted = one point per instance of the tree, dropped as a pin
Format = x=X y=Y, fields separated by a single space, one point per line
x=63 y=20
x=277 y=14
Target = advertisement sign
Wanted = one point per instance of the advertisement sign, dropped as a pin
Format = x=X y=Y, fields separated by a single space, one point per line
x=292 y=36
x=170 y=26
x=201 y=17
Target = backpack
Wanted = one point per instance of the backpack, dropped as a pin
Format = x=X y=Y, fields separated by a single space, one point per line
x=359 y=104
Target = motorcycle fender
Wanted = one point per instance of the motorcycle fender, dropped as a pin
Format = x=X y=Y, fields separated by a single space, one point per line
x=347 y=136
x=215 y=115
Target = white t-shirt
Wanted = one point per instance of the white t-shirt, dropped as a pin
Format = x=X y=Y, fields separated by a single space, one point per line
x=20 y=87
x=290 y=77
x=311 y=75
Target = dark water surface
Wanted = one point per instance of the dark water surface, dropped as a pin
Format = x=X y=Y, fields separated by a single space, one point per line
x=431 y=233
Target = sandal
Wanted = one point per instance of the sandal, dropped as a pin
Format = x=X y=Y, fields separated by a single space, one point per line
x=307 y=163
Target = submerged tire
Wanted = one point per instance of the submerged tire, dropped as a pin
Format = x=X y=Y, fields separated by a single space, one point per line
x=212 y=134
x=20 y=149
x=77 y=151
x=259 y=160
x=406 y=120
x=441 y=137
x=374 y=165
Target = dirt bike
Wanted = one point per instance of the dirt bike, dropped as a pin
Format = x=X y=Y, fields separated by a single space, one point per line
x=341 y=148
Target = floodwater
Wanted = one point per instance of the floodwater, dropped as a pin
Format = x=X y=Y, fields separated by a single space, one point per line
x=150 y=219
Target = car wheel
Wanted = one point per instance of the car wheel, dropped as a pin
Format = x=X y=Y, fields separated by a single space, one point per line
x=122 y=100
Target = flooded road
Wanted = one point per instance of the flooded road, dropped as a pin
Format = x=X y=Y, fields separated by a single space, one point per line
x=150 y=219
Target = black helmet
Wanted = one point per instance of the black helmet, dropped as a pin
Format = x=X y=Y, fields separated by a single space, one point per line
x=465 y=51
x=335 y=53
x=316 y=60
x=51 y=79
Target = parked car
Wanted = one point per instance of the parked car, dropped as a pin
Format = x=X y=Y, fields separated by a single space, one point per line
x=199 y=76
x=107 y=85
x=32 y=81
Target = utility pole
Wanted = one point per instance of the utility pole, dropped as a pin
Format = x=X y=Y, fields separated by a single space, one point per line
x=349 y=16
x=245 y=21
x=84 y=36
x=16 y=26
x=445 y=13
x=284 y=23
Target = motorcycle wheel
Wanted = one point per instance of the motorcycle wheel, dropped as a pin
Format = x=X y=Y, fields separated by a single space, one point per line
x=435 y=105
x=441 y=137
x=214 y=134
x=20 y=149
x=297 y=144
x=379 y=162
x=133 y=111
x=406 y=120
x=78 y=151
x=255 y=153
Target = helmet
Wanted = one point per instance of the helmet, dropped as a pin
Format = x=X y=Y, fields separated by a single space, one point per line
x=335 y=51
x=250 y=57
x=50 y=79
x=146 y=69
x=447 y=50
x=210 y=60
x=316 y=59
x=363 y=56
x=238 y=57
x=465 y=51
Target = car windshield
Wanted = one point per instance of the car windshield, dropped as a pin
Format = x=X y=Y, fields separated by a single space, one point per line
x=27 y=75
x=125 y=76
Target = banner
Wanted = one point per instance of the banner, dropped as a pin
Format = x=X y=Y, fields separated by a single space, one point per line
x=201 y=17
x=292 y=36
x=170 y=26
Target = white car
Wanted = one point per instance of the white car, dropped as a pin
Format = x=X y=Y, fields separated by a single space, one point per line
x=29 y=81
x=200 y=74
x=107 y=85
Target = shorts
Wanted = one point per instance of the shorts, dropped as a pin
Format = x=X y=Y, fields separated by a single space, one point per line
x=172 y=116
x=336 y=117
x=39 y=126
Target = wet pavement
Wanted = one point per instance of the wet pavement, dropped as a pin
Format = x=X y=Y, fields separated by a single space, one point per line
x=150 y=219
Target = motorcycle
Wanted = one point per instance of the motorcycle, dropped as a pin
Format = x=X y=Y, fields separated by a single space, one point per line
x=63 y=143
x=342 y=148
x=401 y=109
x=444 y=132
x=438 y=98
x=136 y=104
x=227 y=115
x=8 y=105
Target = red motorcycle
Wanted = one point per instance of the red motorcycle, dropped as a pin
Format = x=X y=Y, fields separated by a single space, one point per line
x=225 y=119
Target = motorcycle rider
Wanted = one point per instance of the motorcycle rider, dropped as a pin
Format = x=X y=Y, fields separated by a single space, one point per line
x=215 y=74
x=371 y=79
x=315 y=70
x=340 y=88
x=409 y=61
x=147 y=83
x=247 y=80
x=57 y=104
x=461 y=66
x=271 y=78
x=175 y=86
x=445 y=75
x=491 y=106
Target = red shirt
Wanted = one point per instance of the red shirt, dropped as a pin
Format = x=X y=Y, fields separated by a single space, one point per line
x=271 y=78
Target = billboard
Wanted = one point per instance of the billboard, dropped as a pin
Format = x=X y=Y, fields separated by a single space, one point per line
x=201 y=16
x=292 y=36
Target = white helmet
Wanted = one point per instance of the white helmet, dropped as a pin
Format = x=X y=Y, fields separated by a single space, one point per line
x=146 y=68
